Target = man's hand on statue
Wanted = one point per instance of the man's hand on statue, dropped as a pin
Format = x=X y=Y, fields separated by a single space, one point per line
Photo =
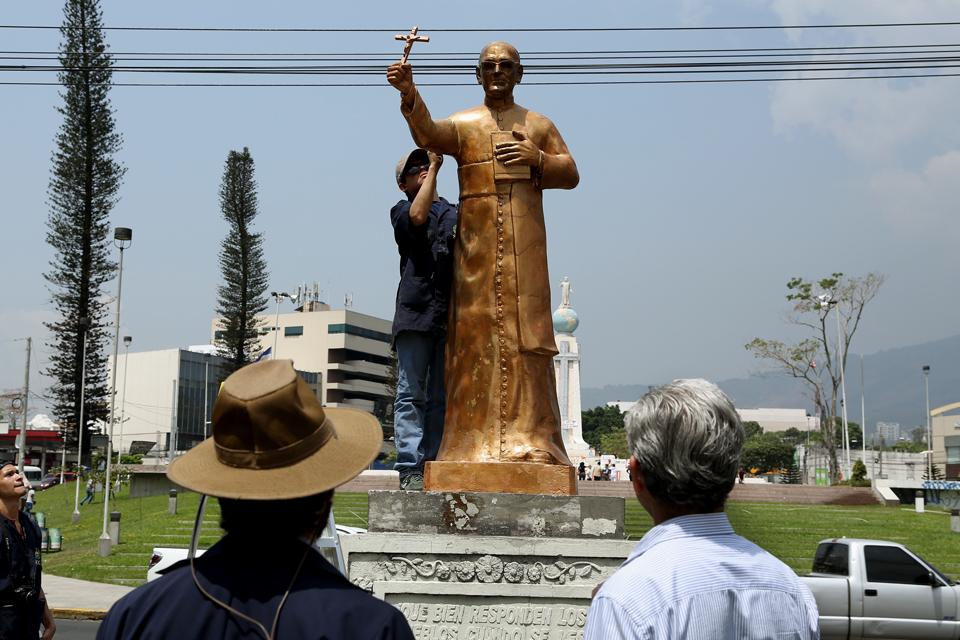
x=521 y=152
x=435 y=159
x=401 y=77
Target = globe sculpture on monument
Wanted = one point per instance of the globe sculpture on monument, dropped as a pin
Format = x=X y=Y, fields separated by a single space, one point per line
x=567 y=369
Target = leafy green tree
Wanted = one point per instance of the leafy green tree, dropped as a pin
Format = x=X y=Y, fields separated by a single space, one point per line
x=859 y=471
x=855 y=432
x=614 y=443
x=84 y=183
x=391 y=385
x=937 y=473
x=794 y=436
x=907 y=446
x=766 y=452
x=598 y=421
x=751 y=428
x=919 y=435
x=816 y=359
x=242 y=296
x=792 y=475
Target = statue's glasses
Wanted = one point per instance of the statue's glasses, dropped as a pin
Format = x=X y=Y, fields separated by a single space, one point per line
x=491 y=66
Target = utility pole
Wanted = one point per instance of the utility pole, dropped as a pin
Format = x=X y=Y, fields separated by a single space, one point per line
x=22 y=436
x=926 y=391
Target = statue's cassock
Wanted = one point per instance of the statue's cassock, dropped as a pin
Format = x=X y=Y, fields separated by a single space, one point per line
x=501 y=391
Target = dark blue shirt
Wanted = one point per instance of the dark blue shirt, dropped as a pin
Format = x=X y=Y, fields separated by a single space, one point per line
x=251 y=576
x=426 y=267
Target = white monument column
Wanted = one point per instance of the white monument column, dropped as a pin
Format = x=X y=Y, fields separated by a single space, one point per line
x=567 y=368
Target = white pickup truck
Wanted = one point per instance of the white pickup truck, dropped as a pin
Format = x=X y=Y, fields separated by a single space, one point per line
x=163 y=558
x=878 y=589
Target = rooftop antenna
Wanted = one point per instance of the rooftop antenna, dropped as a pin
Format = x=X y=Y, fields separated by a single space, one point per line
x=347 y=300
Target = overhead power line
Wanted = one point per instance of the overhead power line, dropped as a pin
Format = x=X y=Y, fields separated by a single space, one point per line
x=862 y=25
x=531 y=60
x=473 y=84
x=540 y=68
x=472 y=55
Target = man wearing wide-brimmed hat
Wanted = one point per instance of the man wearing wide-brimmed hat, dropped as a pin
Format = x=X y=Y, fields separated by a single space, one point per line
x=274 y=459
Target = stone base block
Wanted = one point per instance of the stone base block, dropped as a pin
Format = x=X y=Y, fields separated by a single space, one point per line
x=501 y=477
x=483 y=588
x=497 y=514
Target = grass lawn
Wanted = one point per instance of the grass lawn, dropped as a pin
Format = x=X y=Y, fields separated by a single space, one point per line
x=788 y=531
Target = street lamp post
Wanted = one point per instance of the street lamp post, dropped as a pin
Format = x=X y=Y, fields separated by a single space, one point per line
x=843 y=392
x=22 y=435
x=926 y=392
x=123 y=397
x=206 y=378
x=863 y=413
x=825 y=302
x=84 y=327
x=122 y=237
x=278 y=296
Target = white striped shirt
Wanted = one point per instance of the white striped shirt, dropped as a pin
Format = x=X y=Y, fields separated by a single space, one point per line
x=692 y=577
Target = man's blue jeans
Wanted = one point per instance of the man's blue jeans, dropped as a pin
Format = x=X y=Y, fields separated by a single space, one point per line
x=421 y=401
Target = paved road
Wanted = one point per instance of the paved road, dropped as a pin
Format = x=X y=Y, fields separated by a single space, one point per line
x=76 y=629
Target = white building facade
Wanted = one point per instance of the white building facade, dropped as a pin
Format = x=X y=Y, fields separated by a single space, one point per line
x=780 y=419
x=350 y=350
x=166 y=397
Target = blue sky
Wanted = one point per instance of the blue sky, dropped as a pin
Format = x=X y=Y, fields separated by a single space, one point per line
x=696 y=202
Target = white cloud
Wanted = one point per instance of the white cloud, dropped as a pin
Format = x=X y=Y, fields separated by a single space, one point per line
x=924 y=202
x=868 y=118
x=871 y=119
x=866 y=11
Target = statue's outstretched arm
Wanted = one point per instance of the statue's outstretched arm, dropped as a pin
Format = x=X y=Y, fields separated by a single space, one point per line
x=439 y=136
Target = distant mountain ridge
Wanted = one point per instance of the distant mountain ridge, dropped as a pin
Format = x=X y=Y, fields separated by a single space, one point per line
x=893 y=385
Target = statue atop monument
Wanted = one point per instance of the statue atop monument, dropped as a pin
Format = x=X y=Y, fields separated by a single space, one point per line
x=565 y=292
x=502 y=426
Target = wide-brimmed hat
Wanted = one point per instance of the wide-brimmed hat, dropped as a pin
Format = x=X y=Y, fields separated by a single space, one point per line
x=417 y=155
x=272 y=440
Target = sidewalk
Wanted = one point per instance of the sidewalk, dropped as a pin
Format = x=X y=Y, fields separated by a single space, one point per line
x=71 y=598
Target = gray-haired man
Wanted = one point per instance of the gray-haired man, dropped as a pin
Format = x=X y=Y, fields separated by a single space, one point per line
x=691 y=576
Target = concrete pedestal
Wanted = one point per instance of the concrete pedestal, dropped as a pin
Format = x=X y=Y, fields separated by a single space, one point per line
x=498 y=514
x=443 y=560
x=485 y=586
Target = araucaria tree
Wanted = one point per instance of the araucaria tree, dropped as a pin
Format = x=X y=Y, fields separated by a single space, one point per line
x=242 y=296
x=817 y=359
x=84 y=183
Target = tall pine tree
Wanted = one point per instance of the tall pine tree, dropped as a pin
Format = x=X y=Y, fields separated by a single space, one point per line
x=84 y=183
x=243 y=293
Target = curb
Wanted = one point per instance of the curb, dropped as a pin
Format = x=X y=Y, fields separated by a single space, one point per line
x=78 y=614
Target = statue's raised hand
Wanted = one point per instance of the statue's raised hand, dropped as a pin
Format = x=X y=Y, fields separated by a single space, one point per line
x=401 y=77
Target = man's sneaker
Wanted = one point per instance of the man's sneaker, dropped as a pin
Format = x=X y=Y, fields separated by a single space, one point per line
x=412 y=482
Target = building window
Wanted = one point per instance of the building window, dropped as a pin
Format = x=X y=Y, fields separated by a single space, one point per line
x=953 y=455
x=292 y=331
x=219 y=335
x=361 y=332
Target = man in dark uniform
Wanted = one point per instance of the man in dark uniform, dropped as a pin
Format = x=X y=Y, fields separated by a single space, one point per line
x=274 y=459
x=22 y=604
x=424 y=227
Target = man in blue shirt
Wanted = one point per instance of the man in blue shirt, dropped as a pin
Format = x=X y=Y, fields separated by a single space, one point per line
x=691 y=576
x=424 y=227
